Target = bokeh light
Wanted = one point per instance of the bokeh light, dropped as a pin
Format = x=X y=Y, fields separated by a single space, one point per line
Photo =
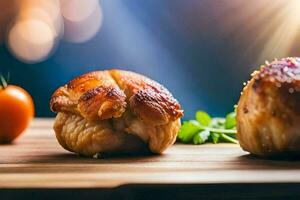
x=44 y=10
x=31 y=40
x=82 y=19
x=35 y=27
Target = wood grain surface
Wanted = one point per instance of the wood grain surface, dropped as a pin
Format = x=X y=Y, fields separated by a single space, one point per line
x=36 y=160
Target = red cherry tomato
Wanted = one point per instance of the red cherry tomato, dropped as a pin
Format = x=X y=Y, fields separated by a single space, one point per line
x=16 y=112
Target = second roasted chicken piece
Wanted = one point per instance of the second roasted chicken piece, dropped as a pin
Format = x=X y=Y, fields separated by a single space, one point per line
x=268 y=114
x=115 y=111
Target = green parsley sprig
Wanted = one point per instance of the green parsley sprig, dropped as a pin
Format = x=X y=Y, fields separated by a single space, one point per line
x=207 y=129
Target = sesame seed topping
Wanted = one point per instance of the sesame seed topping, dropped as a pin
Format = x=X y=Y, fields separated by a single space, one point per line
x=284 y=70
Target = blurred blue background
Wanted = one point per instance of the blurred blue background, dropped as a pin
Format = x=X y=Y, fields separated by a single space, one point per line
x=201 y=50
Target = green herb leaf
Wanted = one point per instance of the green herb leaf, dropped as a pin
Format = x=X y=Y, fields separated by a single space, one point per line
x=230 y=120
x=188 y=130
x=227 y=138
x=205 y=128
x=215 y=137
x=235 y=108
x=217 y=122
x=201 y=137
x=203 y=118
x=221 y=130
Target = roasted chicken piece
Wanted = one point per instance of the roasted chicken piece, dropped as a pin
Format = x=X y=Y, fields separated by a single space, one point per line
x=268 y=113
x=115 y=111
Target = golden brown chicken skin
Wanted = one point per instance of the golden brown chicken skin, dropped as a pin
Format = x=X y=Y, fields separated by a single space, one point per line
x=268 y=113
x=115 y=111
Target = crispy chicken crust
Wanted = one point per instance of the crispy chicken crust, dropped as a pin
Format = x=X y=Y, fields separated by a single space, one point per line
x=114 y=111
x=268 y=113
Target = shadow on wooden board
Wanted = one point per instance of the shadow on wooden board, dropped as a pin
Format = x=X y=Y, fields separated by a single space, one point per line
x=173 y=192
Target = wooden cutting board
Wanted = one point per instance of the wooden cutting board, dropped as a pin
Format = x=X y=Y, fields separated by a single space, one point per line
x=36 y=160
